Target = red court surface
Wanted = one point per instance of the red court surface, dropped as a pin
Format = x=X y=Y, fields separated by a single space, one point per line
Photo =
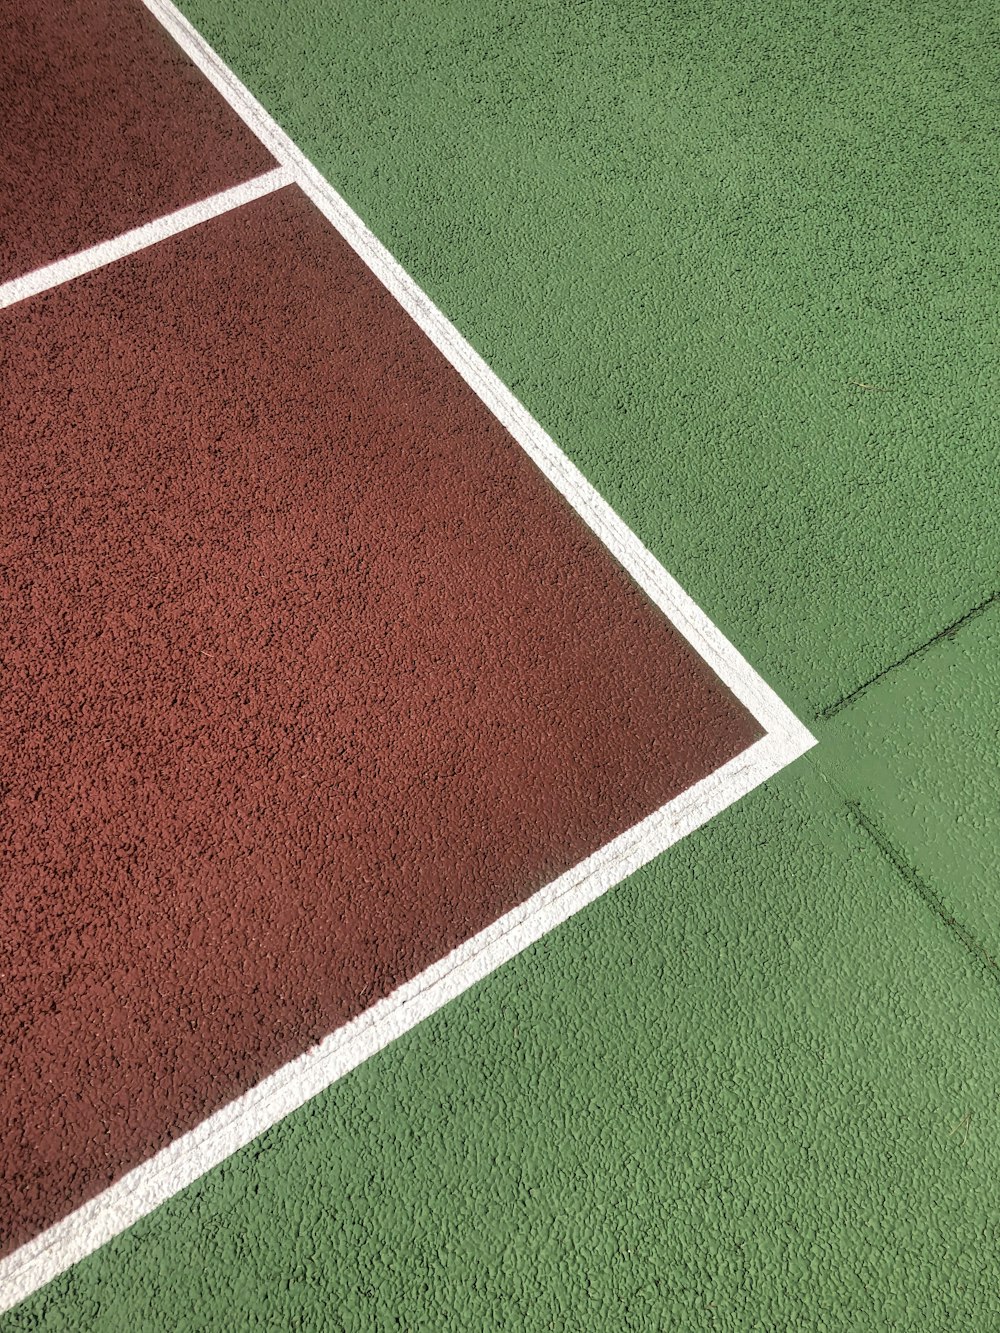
x=309 y=675
x=104 y=125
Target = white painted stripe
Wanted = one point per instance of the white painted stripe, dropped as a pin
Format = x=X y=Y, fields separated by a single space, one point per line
x=85 y=261
x=236 y=1125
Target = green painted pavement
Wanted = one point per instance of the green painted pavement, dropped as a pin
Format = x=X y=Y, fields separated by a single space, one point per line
x=756 y=1086
x=920 y=753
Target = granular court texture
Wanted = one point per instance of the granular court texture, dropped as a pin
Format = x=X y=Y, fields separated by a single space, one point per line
x=737 y=261
x=107 y=125
x=311 y=675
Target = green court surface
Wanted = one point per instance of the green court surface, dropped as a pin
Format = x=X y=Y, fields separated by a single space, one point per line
x=919 y=753
x=756 y=1086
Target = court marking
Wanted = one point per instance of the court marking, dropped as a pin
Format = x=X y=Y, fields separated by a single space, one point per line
x=182 y=1162
x=139 y=238
x=234 y=1126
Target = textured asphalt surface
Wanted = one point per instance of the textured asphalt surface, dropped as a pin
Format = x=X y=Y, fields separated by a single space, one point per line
x=756 y=1086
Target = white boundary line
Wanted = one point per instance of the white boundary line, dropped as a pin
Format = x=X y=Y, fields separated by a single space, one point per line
x=237 y=1124
x=85 y=261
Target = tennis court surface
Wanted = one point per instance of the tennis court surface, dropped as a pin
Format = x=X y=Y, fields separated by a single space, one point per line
x=335 y=690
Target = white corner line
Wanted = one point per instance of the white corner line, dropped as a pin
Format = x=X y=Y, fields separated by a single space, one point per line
x=129 y=242
x=234 y=1126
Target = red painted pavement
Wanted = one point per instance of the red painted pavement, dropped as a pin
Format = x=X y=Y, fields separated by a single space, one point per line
x=104 y=125
x=308 y=674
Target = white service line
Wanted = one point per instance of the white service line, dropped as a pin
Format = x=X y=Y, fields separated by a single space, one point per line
x=237 y=1124
x=96 y=256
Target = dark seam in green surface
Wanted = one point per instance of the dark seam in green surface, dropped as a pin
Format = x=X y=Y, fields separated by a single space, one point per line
x=935 y=903
x=948 y=632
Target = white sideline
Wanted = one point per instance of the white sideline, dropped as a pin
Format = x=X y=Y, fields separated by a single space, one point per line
x=96 y=256
x=238 y=1123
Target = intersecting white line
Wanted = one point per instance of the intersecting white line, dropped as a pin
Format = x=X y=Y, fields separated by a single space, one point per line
x=138 y=238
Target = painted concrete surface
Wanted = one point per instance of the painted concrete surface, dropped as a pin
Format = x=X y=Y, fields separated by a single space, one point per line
x=920 y=753
x=756 y=1086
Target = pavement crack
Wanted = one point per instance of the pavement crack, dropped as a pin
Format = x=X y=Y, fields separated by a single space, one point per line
x=948 y=632
x=931 y=899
